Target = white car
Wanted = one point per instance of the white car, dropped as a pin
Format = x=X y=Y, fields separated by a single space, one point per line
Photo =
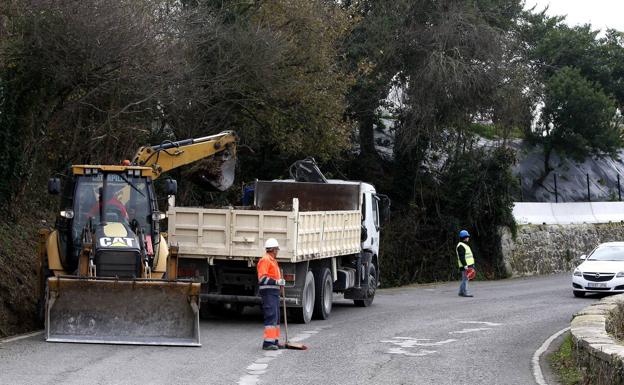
x=601 y=271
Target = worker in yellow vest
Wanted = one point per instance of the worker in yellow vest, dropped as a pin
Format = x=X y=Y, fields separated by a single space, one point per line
x=465 y=260
x=269 y=282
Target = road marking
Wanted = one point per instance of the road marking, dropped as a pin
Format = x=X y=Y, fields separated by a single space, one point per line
x=481 y=323
x=420 y=353
x=537 y=370
x=20 y=337
x=261 y=364
x=405 y=343
x=409 y=342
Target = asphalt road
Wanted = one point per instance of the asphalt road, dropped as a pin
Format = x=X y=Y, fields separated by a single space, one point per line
x=413 y=335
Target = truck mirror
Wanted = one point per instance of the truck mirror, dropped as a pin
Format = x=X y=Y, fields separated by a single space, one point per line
x=384 y=208
x=171 y=187
x=54 y=186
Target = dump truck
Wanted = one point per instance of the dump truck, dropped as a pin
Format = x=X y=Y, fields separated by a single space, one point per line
x=106 y=271
x=328 y=231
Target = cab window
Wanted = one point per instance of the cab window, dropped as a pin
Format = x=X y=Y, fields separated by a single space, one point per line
x=376 y=213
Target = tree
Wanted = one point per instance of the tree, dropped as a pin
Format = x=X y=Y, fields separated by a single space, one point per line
x=267 y=70
x=578 y=118
x=371 y=52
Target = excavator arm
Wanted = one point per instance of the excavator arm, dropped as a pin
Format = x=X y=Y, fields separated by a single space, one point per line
x=215 y=156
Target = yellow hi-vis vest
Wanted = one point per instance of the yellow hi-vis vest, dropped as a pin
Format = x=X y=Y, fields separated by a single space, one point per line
x=468 y=256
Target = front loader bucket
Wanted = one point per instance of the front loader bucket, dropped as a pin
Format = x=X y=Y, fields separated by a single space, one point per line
x=136 y=312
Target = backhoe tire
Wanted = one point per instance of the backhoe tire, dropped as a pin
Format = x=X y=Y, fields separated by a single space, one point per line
x=372 y=287
x=304 y=313
x=324 y=290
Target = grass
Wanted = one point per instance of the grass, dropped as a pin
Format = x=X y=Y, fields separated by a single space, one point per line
x=564 y=364
x=490 y=131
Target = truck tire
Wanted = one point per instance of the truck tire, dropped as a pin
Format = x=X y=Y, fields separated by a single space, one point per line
x=578 y=293
x=372 y=287
x=303 y=314
x=324 y=289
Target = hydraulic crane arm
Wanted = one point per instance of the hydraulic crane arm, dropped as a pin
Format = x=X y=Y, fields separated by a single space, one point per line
x=218 y=152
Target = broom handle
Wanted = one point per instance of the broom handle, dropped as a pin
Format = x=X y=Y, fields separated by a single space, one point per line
x=285 y=318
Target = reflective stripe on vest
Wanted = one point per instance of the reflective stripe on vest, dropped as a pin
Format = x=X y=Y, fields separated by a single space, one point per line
x=469 y=257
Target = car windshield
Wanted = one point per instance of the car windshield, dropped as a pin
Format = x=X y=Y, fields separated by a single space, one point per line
x=607 y=253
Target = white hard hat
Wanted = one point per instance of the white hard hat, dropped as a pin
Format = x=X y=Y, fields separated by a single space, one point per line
x=271 y=243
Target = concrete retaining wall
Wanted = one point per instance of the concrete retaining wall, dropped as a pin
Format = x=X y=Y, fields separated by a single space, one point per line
x=596 y=349
x=542 y=213
x=547 y=249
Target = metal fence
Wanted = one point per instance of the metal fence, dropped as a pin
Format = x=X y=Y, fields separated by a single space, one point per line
x=616 y=190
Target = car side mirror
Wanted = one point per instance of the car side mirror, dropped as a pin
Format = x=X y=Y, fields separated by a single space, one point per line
x=171 y=187
x=54 y=186
x=583 y=257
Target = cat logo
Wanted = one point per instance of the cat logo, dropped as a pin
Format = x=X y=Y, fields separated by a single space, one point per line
x=116 y=242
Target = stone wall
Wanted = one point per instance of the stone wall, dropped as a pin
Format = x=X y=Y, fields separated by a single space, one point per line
x=596 y=349
x=547 y=249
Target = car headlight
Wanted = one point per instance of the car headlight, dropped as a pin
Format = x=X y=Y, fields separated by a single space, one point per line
x=578 y=273
x=620 y=274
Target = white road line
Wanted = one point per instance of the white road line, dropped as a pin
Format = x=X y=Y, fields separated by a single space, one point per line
x=261 y=364
x=20 y=337
x=464 y=331
x=537 y=371
x=480 y=322
x=406 y=342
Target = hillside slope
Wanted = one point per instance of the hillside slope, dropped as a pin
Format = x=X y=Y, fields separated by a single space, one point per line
x=571 y=176
x=18 y=276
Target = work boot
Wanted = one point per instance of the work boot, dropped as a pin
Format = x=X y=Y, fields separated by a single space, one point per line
x=270 y=347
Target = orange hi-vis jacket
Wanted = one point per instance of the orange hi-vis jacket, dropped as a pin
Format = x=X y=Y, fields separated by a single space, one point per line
x=268 y=272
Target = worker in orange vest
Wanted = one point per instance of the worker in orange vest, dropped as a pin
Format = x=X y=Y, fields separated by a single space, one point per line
x=269 y=282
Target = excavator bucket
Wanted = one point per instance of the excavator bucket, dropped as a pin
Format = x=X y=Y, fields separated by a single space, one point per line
x=217 y=171
x=110 y=311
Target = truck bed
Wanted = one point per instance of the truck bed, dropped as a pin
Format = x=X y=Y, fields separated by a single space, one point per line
x=239 y=234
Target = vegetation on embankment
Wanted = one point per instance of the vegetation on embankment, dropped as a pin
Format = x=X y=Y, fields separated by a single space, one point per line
x=565 y=364
x=18 y=275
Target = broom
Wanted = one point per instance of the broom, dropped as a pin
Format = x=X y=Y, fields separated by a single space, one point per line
x=289 y=345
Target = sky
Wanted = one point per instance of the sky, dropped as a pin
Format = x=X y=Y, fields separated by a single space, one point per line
x=601 y=14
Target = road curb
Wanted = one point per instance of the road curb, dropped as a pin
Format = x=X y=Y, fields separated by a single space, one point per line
x=20 y=337
x=537 y=370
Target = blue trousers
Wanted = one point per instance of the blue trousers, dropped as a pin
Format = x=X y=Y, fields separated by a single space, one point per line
x=271 y=313
x=463 y=286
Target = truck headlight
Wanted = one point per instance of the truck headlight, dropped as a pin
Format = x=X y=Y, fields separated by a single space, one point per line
x=620 y=274
x=577 y=273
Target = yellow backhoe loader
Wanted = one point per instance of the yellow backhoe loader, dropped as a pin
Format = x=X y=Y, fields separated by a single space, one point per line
x=107 y=274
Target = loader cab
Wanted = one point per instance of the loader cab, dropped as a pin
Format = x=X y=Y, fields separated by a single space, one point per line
x=100 y=195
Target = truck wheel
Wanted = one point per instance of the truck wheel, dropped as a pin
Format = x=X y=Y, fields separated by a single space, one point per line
x=578 y=293
x=303 y=314
x=372 y=287
x=324 y=285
